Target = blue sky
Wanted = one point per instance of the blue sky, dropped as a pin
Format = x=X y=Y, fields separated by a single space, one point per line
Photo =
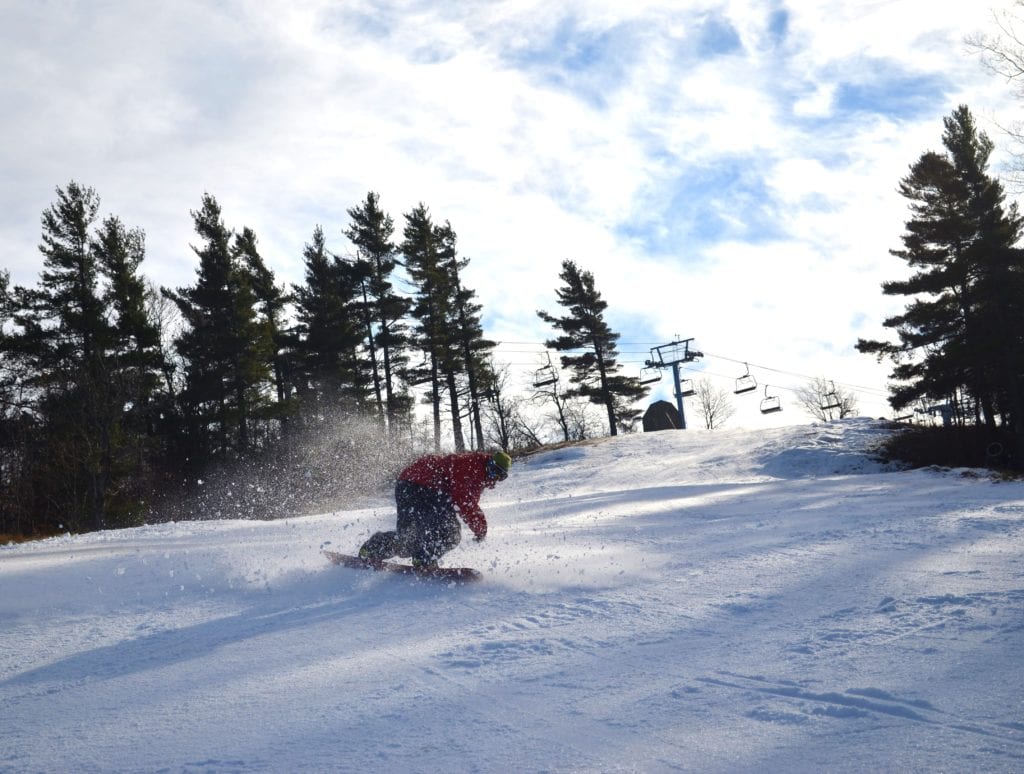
x=726 y=169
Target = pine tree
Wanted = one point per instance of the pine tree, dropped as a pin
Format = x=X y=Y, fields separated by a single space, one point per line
x=448 y=328
x=469 y=351
x=962 y=334
x=64 y=328
x=80 y=354
x=226 y=349
x=431 y=308
x=134 y=359
x=595 y=370
x=271 y=301
x=384 y=311
x=332 y=373
x=135 y=340
x=14 y=520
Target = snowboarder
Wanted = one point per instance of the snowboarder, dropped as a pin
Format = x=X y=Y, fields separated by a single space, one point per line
x=427 y=494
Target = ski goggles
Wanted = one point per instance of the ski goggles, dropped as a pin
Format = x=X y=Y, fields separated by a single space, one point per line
x=494 y=470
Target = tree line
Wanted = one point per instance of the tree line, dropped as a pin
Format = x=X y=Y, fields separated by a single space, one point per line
x=112 y=389
x=223 y=397
x=241 y=396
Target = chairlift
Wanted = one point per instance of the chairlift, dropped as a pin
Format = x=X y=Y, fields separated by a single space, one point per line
x=650 y=375
x=545 y=377
x=830 y=400
x=745 y=383
x=686 y=388
x=770 y=403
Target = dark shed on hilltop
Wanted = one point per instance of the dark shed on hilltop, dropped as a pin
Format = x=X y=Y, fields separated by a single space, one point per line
x=661 y=415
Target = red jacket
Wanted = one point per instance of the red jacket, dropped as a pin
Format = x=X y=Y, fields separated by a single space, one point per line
x=461 y=476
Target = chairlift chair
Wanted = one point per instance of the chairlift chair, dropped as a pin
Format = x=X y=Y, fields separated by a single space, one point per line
x=650 y=375
x=544 y=377
x=686 y=388
x=770 y=403
x=745 y=383
x=830 y=400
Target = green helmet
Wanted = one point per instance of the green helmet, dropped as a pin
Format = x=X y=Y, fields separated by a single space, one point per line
x=498 y=465
x=502 y=460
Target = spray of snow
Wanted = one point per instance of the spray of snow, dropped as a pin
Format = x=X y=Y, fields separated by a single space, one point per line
x=333 y=462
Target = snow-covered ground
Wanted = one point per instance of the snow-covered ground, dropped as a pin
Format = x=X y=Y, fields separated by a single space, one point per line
x=692 y=601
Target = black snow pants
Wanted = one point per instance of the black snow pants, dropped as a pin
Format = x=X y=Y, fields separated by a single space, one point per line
x=427 y=528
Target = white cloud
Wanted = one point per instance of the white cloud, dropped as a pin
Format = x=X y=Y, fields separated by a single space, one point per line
x=817 y=104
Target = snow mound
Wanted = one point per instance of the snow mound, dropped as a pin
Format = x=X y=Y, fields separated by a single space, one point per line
x=840 y=448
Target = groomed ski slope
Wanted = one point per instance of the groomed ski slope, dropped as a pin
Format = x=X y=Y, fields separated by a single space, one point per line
x=677 y=601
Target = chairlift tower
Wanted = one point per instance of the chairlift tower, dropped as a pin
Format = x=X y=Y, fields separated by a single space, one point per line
x=674 y=354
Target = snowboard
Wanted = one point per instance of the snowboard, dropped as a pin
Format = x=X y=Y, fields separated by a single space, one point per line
x=450 y=574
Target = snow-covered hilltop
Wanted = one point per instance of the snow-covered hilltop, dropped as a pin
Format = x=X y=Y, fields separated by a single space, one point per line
x=724 y=601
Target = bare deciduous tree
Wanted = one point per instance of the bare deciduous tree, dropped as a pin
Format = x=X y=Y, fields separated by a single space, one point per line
x=567 y=412
x=1002 y=53
x=506 y=424
x=715 y=406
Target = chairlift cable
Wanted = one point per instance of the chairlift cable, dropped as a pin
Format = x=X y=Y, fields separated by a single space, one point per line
x=861 y=389
x=792 y=373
